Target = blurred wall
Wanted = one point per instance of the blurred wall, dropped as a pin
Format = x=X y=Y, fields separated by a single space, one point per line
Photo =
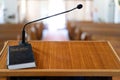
x=103 y=11
x=1 y=12
x=117 y=11
x=93 y=10
x=11 y=11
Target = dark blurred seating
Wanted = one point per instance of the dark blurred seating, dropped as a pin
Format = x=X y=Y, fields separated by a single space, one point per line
x=40 y=28
x=101 y=31
x=36 y=31
x=75 y=33
x=97 y=31
x=10 y=31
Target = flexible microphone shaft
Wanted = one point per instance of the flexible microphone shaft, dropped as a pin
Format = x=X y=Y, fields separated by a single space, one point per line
x=23 y=30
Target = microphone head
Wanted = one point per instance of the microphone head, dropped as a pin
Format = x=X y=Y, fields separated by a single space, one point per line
x=79 y=6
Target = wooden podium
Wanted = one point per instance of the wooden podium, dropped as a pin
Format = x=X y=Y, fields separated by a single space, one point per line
x=67 y=58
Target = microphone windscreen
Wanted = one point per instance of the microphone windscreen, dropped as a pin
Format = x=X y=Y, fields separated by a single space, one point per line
x=79 y=6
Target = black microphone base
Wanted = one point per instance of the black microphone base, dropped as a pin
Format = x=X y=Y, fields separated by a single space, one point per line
x=23 y=44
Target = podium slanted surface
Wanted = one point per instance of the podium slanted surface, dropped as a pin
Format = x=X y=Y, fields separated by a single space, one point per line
x=67 y=58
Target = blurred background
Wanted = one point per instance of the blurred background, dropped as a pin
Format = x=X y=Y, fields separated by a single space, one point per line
x=97 y=20
x=19 y=11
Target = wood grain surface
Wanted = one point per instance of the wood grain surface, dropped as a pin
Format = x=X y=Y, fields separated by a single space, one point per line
x=67 y=58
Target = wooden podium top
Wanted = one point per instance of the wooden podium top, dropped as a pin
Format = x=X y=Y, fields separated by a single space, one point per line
x=67 y=58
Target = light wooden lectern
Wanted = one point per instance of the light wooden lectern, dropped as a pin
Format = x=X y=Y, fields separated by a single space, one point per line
x=67 y=58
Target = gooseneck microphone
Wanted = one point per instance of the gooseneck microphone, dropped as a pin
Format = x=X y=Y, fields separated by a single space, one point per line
x=17 y=58
x=23 y=31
